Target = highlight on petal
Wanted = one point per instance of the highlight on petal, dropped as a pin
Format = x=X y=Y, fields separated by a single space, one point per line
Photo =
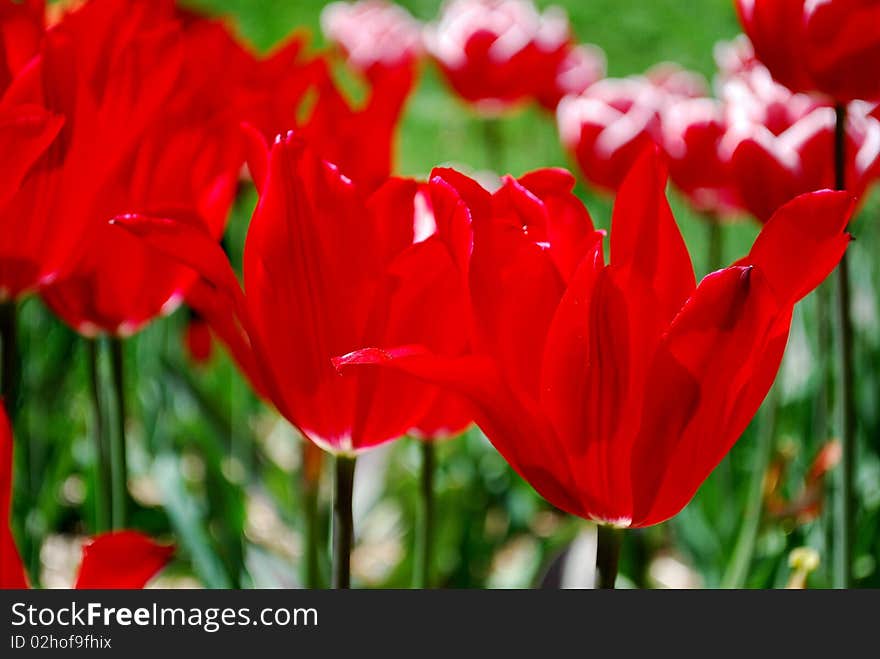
x=121 y=560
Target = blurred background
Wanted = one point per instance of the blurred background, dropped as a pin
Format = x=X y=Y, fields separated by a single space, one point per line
x=219 y=473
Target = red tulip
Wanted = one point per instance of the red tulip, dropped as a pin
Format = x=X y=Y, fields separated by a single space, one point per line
x=108 y=68
x=27 y=128
x=612 y=122
x=312 y=291
x=779 y=143
x=832 y=47
x=615 y=389
x=693 y=130
x=498 y=53
x=577 y=68
x=374 y=35
x=124 y=559
x=186 y=161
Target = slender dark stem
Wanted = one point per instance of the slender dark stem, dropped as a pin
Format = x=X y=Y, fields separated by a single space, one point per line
x=608 y=541
x=716 y=242
x=425 y=528
x=824 y=343
x=343 y=522
x=118 y=461
x=494 y=141
x=10 y=359
x=103 y=476
x=844 y=502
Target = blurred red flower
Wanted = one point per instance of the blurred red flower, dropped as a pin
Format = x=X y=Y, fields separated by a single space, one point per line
x=186 y=159
x=375 y=36
x=832 y=47
x=496 y=54
x=778 y=142
x=328 y=269
x=612 y=122
x=122 y=559
x=693 y=131
x=616 y=389
x=809 y=501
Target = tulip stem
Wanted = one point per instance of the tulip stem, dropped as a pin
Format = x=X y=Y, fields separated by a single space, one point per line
x=741 y=559
x=343 y=522
x=716 y=242
x=118 y=461
x=608 y=541
x=425 y=528
x=844 y=500
x=10 y=359
x=103 y=477
x=493 y=139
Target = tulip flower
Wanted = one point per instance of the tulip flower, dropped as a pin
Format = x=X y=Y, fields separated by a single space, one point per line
x=827 y=47
x=577 y=68
x=313 y=291
x=496 y=54
x=187 y=161
x=615 y=388
x=693 y=130
x=376 y=37
x=613 y=121
x=312 y=222
x=145 y=130
x=779 y=144
x=124 y=559
x=108 y=69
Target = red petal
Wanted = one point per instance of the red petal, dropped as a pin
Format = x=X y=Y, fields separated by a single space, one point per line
x=121 y=560
x=645 y=240
x=711 y=373
x=188 y=243
x=25 y=133
x=12 y=572
x=560 y=215
x=256 y=154
x=517 y=428
x=802 y=243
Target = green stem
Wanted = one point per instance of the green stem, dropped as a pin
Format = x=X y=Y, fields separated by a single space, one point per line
x=425 y=527
x=716 y=242
x=103 y=476
x=608 y=541
x=118 y=461
x=741 y=559
x=493 y=139
x=844 y=502
x=824 y=343
x=343 y=522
